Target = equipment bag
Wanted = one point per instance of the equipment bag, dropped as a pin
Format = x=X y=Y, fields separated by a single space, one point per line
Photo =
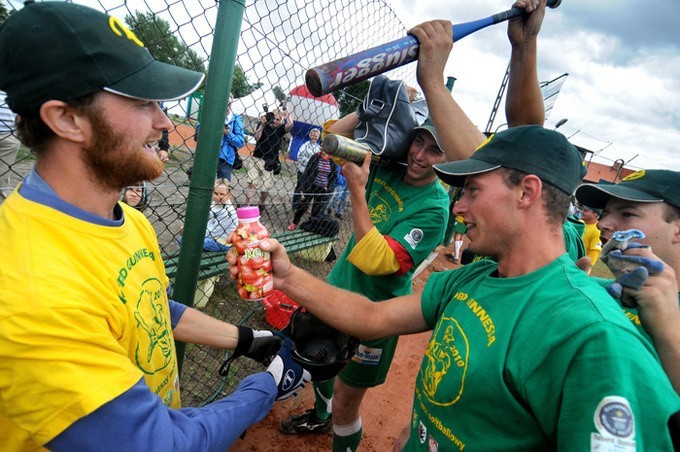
x=386 y=118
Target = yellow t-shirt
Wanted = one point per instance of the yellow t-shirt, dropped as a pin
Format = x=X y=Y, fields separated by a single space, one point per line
x=592 y=242
x=84 y=315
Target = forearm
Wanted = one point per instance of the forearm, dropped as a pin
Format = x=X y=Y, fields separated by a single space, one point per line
x=459 y=136
x=258 y=132
x=360 y=214
x=140 y=417
x=337 y=307
x=341 y=309
x=236 y=140
x=345 y=126
x=197 y=328
x=524 y=102
x=289 y=123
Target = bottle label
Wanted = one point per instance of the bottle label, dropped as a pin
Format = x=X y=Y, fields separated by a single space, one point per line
x=255 y=279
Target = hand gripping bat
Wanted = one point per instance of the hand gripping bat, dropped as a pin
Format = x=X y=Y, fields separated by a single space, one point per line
x=354 y=68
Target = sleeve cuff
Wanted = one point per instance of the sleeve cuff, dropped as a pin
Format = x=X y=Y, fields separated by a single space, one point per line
x=373 y=255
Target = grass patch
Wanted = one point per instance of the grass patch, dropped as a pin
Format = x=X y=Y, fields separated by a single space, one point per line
x=600 y=270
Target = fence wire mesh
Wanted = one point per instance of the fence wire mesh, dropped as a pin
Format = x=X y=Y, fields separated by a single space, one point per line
x=279 y=41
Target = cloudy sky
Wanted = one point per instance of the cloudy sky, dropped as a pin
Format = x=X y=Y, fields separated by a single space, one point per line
x=623 y=60
x=621 y=98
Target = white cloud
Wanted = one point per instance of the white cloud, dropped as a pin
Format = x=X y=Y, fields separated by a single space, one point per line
x=624 y=66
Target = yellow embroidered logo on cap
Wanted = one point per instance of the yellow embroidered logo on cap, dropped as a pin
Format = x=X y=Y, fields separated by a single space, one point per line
x=636 y=175
x=484 y=143
x=119 y=29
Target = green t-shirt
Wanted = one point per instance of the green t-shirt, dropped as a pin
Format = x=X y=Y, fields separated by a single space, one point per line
x=573 y=238
x=536 y=362
x=572 y=241
x=416 y=217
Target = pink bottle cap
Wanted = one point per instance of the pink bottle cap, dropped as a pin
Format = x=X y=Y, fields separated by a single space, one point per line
x=248 y=212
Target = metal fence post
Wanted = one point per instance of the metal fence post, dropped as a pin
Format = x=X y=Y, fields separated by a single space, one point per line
x=218 y=86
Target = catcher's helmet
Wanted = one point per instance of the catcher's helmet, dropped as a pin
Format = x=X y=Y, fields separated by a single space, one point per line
x=320 y=349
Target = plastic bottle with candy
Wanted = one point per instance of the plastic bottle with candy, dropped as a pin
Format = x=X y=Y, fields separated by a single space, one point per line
x=255 y=279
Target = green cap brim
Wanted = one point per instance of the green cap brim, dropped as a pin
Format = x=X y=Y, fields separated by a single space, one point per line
x=158 y=82
x=597 y=195
x=454 y=173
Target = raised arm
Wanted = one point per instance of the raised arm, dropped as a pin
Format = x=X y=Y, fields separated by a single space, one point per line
x=524 y=101
x=459 y=136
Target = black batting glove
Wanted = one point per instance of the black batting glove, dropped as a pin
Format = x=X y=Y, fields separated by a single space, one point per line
x=259 y=345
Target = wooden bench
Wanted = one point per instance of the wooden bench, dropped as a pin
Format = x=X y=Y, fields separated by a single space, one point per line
x=214 y=263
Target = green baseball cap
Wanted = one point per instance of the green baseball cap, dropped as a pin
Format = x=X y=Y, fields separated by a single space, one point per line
x=429 y=127
x=61 y=51
x=532 y=149
x=640 y=186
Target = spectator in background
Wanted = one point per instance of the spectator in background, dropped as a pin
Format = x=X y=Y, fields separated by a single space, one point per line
x=591 y=234
x=339 y=198
x=317 y=184
x=9 y=145
x=232 y=141
x=164 y=146
x=136 y=196
x=307 y=150
x=265 y=159
x=459 y=230
x=164 y=143
x=222 y=220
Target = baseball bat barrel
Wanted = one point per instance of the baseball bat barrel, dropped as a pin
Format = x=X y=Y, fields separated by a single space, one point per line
x=360 y=66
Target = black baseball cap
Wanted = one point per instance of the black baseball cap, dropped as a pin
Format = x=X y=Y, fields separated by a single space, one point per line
x=641 y=186
x=532 y=149
x=61 y=51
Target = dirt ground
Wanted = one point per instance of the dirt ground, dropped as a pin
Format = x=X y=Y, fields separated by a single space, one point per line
x=385 y=409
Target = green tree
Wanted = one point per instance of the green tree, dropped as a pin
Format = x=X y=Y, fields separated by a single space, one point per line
x=349 y=97
x=278 y=93
x=156 y=35
x=4 y=14
x=239 y=83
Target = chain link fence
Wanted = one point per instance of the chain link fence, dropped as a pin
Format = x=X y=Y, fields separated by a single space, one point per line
x=279 y=41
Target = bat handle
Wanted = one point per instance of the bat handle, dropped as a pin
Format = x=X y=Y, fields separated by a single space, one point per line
x=462 y=30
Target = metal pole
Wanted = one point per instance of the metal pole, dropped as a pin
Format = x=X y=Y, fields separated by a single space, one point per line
x=449 y=82
x=218 y=86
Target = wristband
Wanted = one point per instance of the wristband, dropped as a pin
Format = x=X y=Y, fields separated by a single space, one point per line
x=245 y=340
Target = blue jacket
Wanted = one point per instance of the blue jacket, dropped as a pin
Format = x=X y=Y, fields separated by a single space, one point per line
x=231 y=142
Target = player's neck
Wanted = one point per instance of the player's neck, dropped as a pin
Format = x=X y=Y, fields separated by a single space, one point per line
x=73 y=183
x=530 y=252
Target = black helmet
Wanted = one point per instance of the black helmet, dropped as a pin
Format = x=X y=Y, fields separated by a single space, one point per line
x=320 y=349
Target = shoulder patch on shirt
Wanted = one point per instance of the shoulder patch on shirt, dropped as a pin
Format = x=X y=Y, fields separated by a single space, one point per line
x=614 y=418
x=414 y=237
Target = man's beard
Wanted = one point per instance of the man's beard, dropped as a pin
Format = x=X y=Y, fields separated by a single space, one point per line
x=115 y=162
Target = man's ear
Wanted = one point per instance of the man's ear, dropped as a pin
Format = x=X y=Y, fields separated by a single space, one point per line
x=65 y=121
x=529 y=190
x=676 y=231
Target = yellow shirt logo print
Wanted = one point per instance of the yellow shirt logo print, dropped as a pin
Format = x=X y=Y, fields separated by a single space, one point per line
x=120 y=29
